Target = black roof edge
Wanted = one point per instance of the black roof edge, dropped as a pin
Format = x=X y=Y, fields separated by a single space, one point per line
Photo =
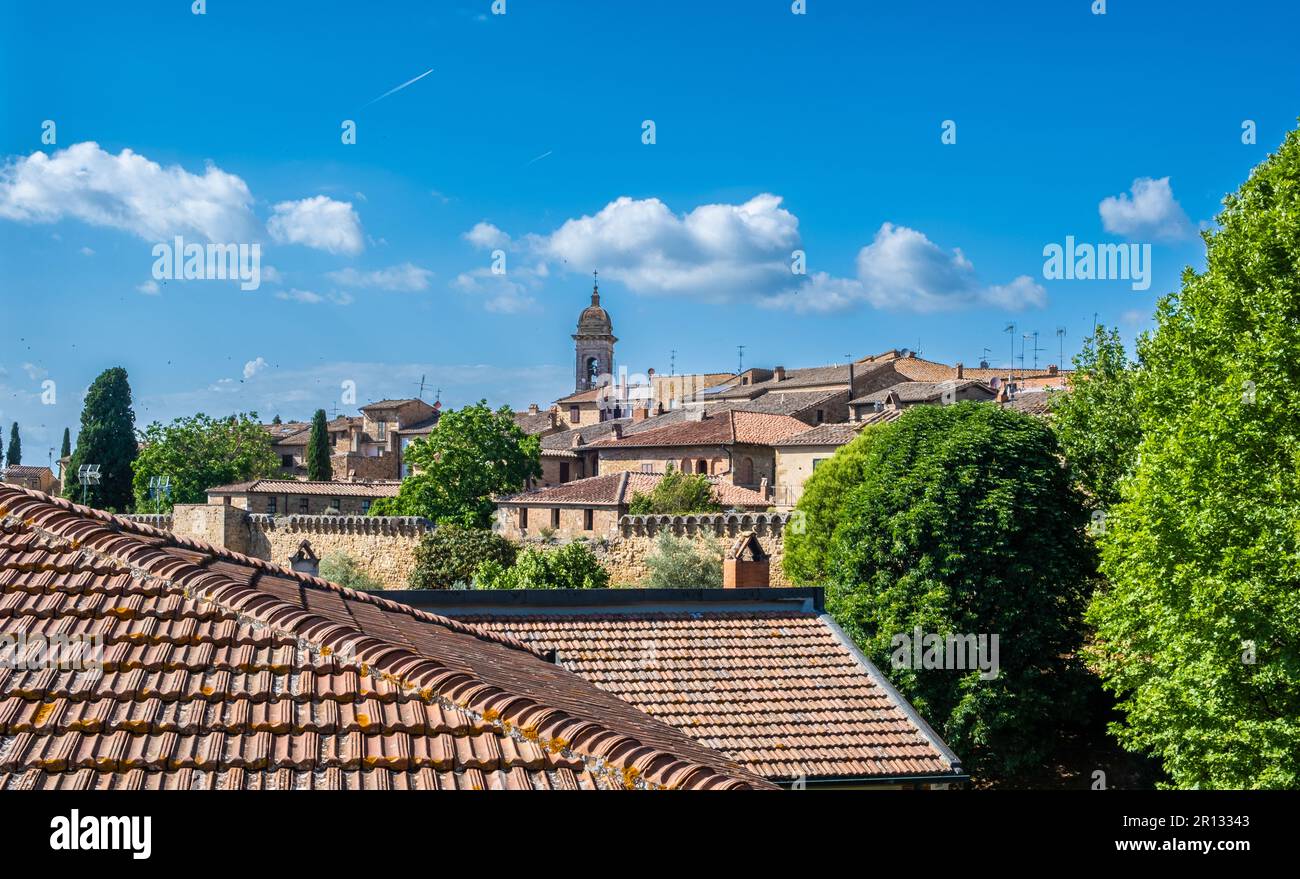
x=448 y=602
x=957 y=776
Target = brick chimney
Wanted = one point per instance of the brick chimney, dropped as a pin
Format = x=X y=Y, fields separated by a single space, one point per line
x=1051 y=369
x=961 y=371
x=576 y=441
x=778 y=374
x=533 y=409
x=639 y=414
x=617 y=430
x=746 y=564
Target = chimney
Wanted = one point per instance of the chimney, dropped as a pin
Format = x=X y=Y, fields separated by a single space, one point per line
x=576 y=441
x=532 y=409
x=961 y=371
x=778 y=374
x=650 y=372
x=1051 y=369
x=762 y=486
x=697 y=414
x=617 y=431
x=639 y=414
x=746 y=564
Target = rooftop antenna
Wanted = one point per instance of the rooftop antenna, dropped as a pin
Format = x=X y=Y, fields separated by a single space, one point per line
x=420 y=394
x=740 y=359
x=159 y=487
x=1060 y=338
x=1024 y=341
x=1036 y=350
x=672 y=362
x=1011 y=328
x=984 y=357
x=87 y=474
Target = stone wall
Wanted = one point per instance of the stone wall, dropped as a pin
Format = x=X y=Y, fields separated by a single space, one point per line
x=382 y=546
x=625 y=556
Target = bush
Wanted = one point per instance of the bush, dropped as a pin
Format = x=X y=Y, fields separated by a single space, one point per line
x=676 y=494
x=343 y=569
x=680 y=563
x=961 y=520
x=450 y=554
x=571 y=566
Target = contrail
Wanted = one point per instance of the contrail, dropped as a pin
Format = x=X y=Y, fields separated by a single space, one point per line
x=539 y=158
x=402 y=86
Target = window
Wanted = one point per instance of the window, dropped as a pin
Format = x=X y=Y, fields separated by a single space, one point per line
x=564 y=471
x=337 y=503
x=523 y=518
x=555 y=517
x=575 y=414
x=817 y=462
x=302 y=505
x=746 y=474
x=365 y=506
x=382 y=431
x=701 y=466
x=286 y=461
x=588 y=519
x=270 y=506
x=647 y=468
x=821 y=415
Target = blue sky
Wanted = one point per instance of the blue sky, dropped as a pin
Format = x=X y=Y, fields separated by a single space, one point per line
x=773 y=132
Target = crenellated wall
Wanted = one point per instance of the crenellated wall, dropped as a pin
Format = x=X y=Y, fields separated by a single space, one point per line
x=625 y=557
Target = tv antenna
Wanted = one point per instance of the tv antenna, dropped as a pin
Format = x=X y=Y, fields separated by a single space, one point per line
x=1011 y=329
x=420 y=394
x=740 y=359
x=1036 y=349
x=672 y=362
x=159 y=487
x=1060 y=338
x=87 y=474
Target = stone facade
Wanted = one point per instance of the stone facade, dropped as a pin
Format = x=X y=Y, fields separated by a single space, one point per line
x=562 y=522
x=744 y=465
x=625 y=556
x=794 y=464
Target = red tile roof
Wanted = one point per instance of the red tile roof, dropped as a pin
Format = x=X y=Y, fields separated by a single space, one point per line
x=617 y=489
x=721 y=428
x=781 y=692
x=334 y=488
x=222 y=671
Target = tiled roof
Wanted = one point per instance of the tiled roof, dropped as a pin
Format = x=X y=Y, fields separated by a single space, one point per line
x=534 y=422
x=1031 y=402
x=780 y=403
x=920 y=392
x=221 y=671
x=780 y=692
x=882 y=417
x=14 y=470
x=724 y=428
x=390 y=404
x=335 y=488
x=564 y=439
x=617 y=489
x=825 y=435
x=796 y=378
x=419 y=427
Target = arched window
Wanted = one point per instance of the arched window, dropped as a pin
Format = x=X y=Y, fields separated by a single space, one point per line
x=593 y=368
x=686 y=465
x=746 y=471
x=702 y=466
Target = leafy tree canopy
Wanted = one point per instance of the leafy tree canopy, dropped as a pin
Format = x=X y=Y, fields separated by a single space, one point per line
x=677 y=493
x=472 y=456
x=682 y=563
x=107 y=438
x=961 y=520
x=1199 y=631
x=571 y=566
x=450 y=554
x=1097 y=422
x=198 y=453
x=344 y=570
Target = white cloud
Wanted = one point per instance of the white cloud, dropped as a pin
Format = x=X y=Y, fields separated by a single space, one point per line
x=903 y=270
x=503 y=294
x=148 y=288
x=1148 y=210
x=487 y=236
x=405 y=277
x=253 y=367
x=86 y=251
x=319 y=222
x=126 y=192
x=307 y=297
x=34 y=372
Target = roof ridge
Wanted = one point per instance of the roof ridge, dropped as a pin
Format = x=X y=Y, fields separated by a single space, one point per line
x=519 y=716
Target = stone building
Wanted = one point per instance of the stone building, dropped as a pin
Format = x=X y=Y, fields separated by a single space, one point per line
x=38 y=478
x=368 y=446
x=914 y=393
x=283 y=497
x=592 y=507
x=593 y=345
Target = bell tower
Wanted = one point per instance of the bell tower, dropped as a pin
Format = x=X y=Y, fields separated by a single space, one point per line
x=593 y=343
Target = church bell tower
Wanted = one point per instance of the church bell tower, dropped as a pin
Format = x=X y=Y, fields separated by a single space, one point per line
x=593 y=343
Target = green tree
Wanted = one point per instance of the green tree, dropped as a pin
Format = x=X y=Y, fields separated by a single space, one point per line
x=1097 y=422
x=808 y=534
x=676 y=494
x=679 y=563
x=571 y=566
x=344 y=570
x=15 y=454
x=450 y=554
x=198 y=453
x=318 y=449
x=474 y=455
x=107 y=438
x=962 y=521
x=1198 y=632
x=65 y=451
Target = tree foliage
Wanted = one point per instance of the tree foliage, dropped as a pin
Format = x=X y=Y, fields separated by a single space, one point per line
x=571 y=566
x=198 y=453
x=65 y=450
x=808 y=535
x=450 y=554
x=681 y=563
x=15 y=453
x=344 y=570
x=961 y=520
x=1198 y=633
x=107 y=438
x=677 y=493
x=472 y=456
x=318 y=449
x=1096 y=422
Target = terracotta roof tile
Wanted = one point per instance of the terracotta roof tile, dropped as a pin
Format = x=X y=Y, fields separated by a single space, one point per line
x=222 y=671
x=335 y=488
x=617 y=489
x=724 y=428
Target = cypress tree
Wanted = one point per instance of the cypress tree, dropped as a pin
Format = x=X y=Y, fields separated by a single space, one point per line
x=66 y=450
x=15 y=454
x=106 y=438
x=318 y=449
